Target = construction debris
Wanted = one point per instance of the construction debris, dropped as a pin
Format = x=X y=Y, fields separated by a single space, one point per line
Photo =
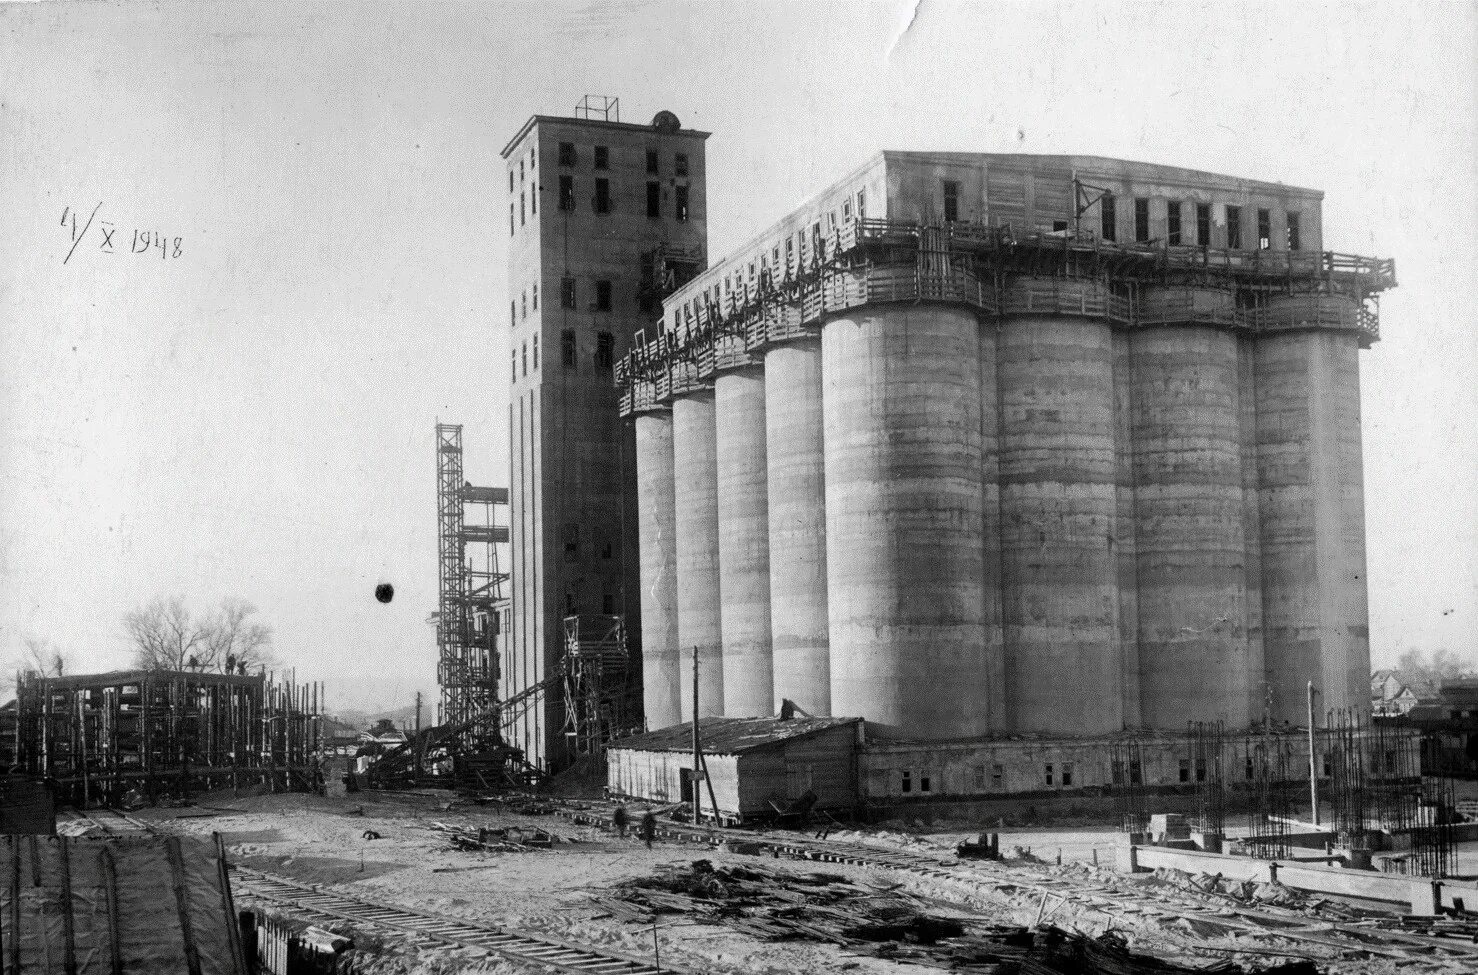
x=882 y=922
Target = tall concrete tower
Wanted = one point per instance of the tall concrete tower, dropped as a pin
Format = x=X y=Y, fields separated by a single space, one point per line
x=604 y=217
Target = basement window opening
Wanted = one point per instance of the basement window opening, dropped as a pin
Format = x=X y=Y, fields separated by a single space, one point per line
x=951 y=200
x=567 y=154
x=1264 y=229
x=1108 y=217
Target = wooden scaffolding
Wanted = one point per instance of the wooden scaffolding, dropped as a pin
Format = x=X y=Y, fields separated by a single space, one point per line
x=162 y=734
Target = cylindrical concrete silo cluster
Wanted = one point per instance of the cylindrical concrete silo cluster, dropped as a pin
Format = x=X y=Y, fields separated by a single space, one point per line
x=1060 y=510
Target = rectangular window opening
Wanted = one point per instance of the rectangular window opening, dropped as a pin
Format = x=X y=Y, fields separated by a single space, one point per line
x=602 y=196
x=602 y=157
x=1108 y=218
x=1203 y=224
x=680 y=206
x=1172 y=223
x=1141 y=220
x=652 y=164
x=1234 y=228
x=572 y=541
x=567 y=154
x=1293 y=240
x=680 y=164
x=1067 y=773
x=567 y=348
x=951 y=200
x=605 y=350
x=907 y=781
x=654 y=199
x=1185 y=770
x=536 y=353
x=1049 y=773
x=602 y=296
x=1264 y=229
x=567 y=293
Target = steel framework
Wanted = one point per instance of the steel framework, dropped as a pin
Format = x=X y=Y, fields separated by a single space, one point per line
x=600 y=692
x=472 y=590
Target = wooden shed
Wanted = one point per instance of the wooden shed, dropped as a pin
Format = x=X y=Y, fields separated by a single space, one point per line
x=750 y=761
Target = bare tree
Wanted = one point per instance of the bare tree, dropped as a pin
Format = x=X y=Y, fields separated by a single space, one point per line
x=1424 y=672
x=40 y=656
x=167 y=635
x=235 y=643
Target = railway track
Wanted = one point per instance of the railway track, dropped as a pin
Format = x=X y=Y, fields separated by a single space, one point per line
x=416 y=927
x=1419 y=951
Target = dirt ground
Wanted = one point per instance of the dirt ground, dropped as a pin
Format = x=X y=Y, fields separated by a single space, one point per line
x=322 y=840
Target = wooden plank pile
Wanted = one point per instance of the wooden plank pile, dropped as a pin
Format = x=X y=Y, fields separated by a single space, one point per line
x=512 y=839
x=882 y=921
x=1463 y=927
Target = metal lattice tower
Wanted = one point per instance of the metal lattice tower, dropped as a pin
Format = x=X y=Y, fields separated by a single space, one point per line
x=471 y=590
x=600 y=695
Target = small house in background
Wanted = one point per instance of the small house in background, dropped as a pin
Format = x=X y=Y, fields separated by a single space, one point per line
x=760 y=768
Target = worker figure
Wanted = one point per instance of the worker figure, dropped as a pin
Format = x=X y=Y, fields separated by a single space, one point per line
x=619 y=819
x=648 y=827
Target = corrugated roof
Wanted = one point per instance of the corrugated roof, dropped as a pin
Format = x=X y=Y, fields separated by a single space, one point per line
x=730 y=736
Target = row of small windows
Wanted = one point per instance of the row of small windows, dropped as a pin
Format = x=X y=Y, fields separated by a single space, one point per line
x=601 y=202
x=569 y=158
x=1174 y=235
x=604 y=358
x=532 y=158
x=807 y=244
x=568 y=298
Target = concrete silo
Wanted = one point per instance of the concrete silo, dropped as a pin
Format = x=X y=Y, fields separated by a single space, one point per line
x=657 y=541
x=699 y=604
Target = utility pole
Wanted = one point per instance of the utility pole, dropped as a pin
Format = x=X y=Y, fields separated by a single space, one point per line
x=418 y=712
x=1313 y=769
x=697 y=748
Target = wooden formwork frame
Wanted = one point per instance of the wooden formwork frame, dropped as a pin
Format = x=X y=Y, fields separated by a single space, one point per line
x=161 y=733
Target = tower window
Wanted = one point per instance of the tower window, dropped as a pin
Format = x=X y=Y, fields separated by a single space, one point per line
x=654 y=199
x=1172 y=223
x=567 y=154
x=510 y=180
x=951 y=200
x=652 y=164
x=1141 y=220
x=521 y=210
x=512 y=313
x=1108 y=218
x=513 y=357
x=567 y=192
x=536 y=353
x=1293 y=241
x=536 y=297
x=602 y=157
x=608 y=604
x=680 y=207
x=1234 y=227
x=523 y=356
x=524 y=302
x=520 y=170
x=512 y=227
x=567 y=293
x=567 y=348
x=602 y=196
x=1203 y=224
x=1264 y=229
x=602 y=296
x=605 y=350
x=680 y=164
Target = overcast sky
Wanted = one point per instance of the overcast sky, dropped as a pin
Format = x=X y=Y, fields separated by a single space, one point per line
x=253 y=417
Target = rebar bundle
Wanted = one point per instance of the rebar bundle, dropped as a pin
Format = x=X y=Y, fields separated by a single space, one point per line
x=1207 y=747
x=1433 y=840
x=1345 y=747
x=1269 y=765
x=1127 y=756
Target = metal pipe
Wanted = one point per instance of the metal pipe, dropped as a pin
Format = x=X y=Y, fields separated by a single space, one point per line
x=1313 y=769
